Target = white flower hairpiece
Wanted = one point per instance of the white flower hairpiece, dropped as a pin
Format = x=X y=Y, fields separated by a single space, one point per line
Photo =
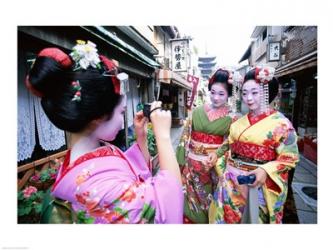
x=265 y=74
x=85 y=54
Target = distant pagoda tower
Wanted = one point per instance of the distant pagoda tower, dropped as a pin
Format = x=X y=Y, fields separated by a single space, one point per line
x=206 y=65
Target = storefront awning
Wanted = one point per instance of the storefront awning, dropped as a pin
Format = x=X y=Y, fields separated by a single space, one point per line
x=121 y=45
x=168 y=77
x=247 y=54
x=307 y=61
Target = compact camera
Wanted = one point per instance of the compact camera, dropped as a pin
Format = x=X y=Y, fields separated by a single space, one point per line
x=246 y=179
x=146 y=110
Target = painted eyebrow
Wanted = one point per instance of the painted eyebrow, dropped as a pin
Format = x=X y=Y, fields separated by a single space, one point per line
x=253 y=89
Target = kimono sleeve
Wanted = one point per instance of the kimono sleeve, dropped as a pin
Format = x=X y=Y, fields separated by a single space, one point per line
x=164 y=192
x=287 y=158
x=183 y=146
x=107 y=191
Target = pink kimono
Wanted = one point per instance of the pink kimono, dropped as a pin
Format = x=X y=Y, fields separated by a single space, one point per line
x=109 y=186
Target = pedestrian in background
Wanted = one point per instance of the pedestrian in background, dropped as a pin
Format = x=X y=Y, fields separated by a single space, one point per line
x=83 y=93
x=262 y=149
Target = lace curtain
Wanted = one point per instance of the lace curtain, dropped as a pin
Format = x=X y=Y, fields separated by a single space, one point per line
x=50 y=137
x=25 y=124
x=29 y=111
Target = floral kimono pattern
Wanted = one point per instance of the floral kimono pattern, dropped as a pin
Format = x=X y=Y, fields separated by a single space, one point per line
x=109 y=186
x=270 y=142
x=203 y=134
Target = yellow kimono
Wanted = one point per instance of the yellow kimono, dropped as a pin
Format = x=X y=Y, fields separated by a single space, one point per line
x=269 y=142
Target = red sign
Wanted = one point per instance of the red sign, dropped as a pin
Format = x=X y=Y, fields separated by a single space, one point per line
x=194 y=81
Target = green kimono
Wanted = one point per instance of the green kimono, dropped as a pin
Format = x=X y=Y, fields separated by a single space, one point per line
x=202 y=135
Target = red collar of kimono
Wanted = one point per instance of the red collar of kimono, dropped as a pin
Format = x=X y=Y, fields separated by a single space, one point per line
x=214 y=114
x=256 y=118
x=100 y=152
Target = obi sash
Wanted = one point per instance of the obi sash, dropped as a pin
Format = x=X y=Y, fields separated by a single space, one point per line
x=202 y=143
x=255 y=153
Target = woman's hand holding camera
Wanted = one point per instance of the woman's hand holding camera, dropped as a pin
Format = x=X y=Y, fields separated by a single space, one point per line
x=261 y=176
x=140 y=125
x=161 y=120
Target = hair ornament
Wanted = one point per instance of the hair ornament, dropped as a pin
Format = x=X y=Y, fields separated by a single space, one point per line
x=77 y=88
x=264 y=74
x=237 y=80
x=85 y=54
x=119 y=80
x=58 y=55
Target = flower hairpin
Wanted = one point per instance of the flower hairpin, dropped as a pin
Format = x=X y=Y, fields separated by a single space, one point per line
x=85 y=54
x=264 y=74
x=77 y=87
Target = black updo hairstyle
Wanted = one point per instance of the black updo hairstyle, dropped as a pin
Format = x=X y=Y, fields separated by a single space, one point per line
x=54 y=82
x=220 y=76
x=273 y=85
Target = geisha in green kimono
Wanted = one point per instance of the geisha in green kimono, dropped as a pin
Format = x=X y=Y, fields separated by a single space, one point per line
x=204 y=133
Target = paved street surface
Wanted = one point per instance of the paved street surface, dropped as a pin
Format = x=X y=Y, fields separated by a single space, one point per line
x=305 y=177
x=175 y=136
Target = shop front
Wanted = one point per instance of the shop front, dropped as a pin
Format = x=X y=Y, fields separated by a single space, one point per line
x=173 y=92
x=298 y=100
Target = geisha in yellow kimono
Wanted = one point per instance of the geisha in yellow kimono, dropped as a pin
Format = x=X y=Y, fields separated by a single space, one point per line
x=262 y=143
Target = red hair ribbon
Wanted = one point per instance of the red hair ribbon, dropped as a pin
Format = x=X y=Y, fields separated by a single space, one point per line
x=58 y=55
x=112 y=70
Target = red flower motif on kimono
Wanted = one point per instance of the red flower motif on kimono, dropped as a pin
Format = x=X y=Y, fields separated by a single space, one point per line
x=280 y=167
x=230 y=216
x=284 y=175
x=204 y=178
x=281 y=131
x=128 y=196
x=97 y=212
x=82 y=198
x=283 y=172
x=271 y=143
x=185 y=171
x=287 y=158
x=196 y=166
x=92 y=203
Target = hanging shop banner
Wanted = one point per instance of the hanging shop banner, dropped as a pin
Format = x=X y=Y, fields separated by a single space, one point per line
x=194 y=81
x=179 y=51
x=274 y=51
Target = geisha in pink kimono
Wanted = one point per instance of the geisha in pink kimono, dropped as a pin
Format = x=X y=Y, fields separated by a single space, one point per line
x=262 y=148
x=84 y=94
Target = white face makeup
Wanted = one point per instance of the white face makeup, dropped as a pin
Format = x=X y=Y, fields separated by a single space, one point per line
x=251 y=95
x=108 y=129
x=218 y=95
